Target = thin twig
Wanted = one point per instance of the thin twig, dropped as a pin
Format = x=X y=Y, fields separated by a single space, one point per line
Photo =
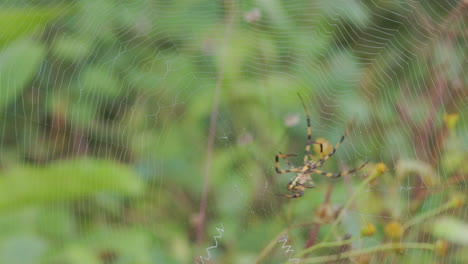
x=355 y=253
x=329 y=244
x=431 y=213
x=312 y=236
x=230 y=5
x=358 y=191
x=315 y=229
x=273 y=242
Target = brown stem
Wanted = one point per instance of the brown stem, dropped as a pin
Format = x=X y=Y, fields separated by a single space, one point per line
x=315 y=229
x=312 y=236
x=200 y=229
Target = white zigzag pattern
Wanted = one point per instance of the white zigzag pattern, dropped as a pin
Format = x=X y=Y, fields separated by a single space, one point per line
x=220 y=230
x=289 y=250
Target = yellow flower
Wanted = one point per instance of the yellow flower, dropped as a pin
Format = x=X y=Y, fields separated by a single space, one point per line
x=394 y=230
x=368 y=230
x=440 y=247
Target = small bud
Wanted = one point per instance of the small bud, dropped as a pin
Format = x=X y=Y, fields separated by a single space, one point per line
x=440 y=247
x=381 y=167
x=457 y=200
x=400 y=249
x=376 y=171
x=451 y=120
x=394 y=230
x=368 y=230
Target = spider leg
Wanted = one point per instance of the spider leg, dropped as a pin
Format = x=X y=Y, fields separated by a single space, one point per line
x=312 y=161
x=307 y=186
x=309 y=130
x=336 y=175
x=291 y=195
x=283 y=156
x=278 y=170
x=307 y=152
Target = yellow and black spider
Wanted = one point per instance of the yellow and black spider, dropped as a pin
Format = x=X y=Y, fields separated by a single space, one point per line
x=302 y=179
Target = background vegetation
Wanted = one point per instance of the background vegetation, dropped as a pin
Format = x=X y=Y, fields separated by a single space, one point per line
x=105 y=115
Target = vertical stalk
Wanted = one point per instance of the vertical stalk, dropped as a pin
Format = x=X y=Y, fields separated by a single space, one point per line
x=230 y=6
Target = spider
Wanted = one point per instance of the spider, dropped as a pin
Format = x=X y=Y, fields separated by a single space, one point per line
x=302 y=180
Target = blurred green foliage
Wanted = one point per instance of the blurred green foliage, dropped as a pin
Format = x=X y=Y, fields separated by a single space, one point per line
x=105 y=108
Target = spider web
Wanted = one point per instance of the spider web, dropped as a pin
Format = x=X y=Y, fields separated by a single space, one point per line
x=106 y=108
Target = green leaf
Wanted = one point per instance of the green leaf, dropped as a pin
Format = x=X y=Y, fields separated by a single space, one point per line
x=19 y=63
x=20 y=21
x=451 y=229
x=65 y=180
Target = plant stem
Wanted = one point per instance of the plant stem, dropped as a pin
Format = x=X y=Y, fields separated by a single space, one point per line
x=231 y=4
x=360 y=188
x=391 y=246
x=427 y=214
x=273 y=242
x=328 y=244
x=315 y=229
